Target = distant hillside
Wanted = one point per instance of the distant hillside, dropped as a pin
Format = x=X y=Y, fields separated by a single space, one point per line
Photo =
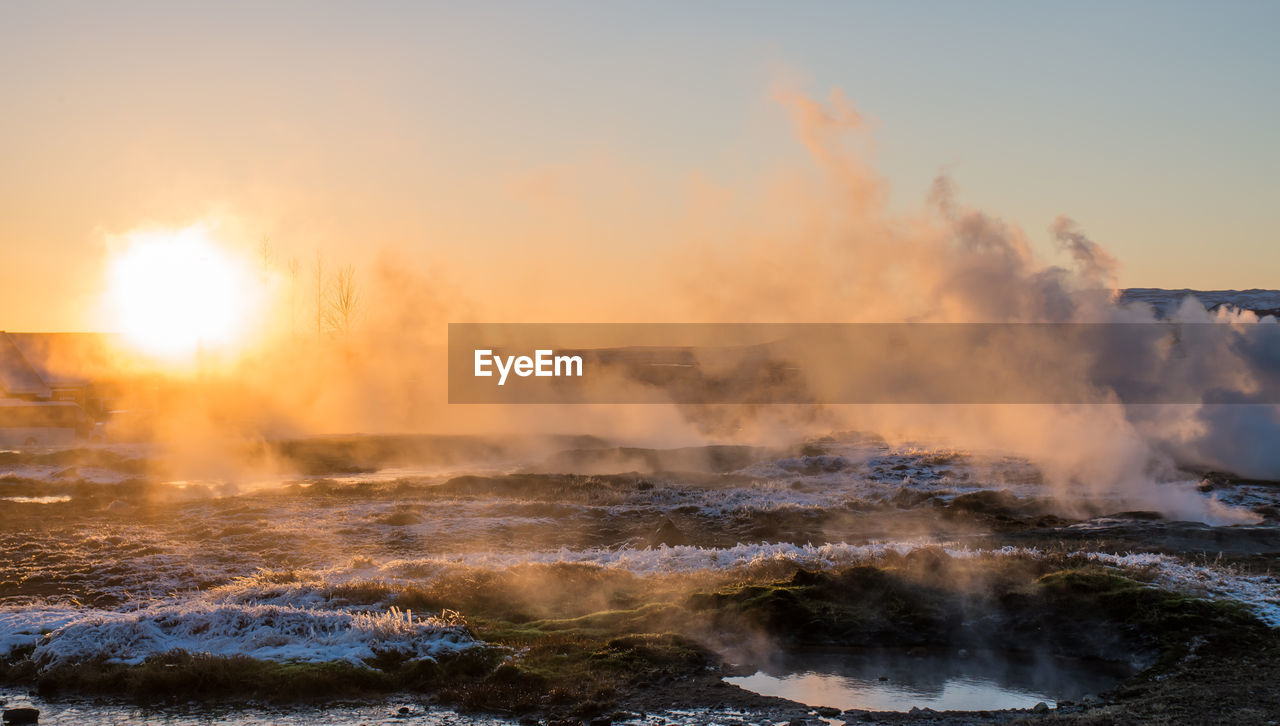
x=1262 y=302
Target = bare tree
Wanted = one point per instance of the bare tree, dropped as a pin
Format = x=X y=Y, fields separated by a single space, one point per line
x=294 y=267
x=322 y=301
x=344 y=304
x=266 y=256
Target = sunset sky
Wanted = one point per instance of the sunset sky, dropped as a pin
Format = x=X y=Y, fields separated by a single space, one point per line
x=462 y=133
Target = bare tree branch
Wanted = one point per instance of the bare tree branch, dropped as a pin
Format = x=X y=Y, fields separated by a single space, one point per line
x=322 y=300
x=344 y=304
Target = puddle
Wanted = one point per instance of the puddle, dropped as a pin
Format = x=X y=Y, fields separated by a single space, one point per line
x=898 y=681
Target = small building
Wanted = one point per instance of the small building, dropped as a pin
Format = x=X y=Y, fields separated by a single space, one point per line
x=37 y=411
x=42 y=423
x=18 y=379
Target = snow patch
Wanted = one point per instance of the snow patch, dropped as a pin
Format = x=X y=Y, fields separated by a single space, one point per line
x=1260 y=592
x=24 y=625
x=264 y=632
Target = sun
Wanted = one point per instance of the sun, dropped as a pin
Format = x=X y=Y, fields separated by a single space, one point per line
x=173 y=294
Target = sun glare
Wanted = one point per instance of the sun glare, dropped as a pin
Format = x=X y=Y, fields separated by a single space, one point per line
x=175 y=293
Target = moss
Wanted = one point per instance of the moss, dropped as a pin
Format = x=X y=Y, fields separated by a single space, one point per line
x=189 y=675
x=862 y=605
x=1170 y=614
x=605 y=622
x=179 y=674
x=581 y=660
x=1170 y=620
x=532 y=592
x=361 y=593
x=930 y=599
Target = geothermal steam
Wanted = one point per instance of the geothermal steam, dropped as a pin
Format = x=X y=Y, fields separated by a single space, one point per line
x=817 y=243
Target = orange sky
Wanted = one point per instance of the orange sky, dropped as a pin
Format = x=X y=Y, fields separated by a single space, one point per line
x=572 y=145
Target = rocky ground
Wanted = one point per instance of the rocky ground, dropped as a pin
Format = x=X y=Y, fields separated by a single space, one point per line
x=591 y=583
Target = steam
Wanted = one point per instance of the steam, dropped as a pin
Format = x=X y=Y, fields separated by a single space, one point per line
x=813 y=243
x=853 y=260
x=1093 y=262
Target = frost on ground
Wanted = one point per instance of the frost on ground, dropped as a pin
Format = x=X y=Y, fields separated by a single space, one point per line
x=298 y=618
x=1260 y=592
x=309 y=571
x=24 y=625
x=265 y=632
x=261 y=617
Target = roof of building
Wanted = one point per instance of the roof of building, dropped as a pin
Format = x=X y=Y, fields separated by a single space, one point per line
x=17 y=376
x=68 y=359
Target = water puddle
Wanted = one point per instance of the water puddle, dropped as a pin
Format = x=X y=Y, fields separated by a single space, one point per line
x=899 y=681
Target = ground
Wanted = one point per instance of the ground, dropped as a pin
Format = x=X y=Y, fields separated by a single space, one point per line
x=528 y=589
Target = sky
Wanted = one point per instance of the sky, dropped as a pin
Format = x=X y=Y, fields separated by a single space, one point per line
x=448 y=130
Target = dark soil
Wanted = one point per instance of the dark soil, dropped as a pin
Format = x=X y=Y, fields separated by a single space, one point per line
x=580 y=643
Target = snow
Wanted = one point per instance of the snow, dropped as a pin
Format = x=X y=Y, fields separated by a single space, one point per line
x=265 y=632
x=1167 y=301
x=1260 y=592
x=23 y=625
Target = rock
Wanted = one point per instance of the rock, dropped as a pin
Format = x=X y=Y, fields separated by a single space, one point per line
x=402 y=712
x=883 y=678
x=668 y=534
x=827 y=711
x=400 y=519
x=1142 y=514
x=1041 y=707
x=17 y=716
x=797 y=721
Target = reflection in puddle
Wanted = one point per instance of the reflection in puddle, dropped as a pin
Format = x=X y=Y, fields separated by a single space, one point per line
x=36 y=500
x=898 y=681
